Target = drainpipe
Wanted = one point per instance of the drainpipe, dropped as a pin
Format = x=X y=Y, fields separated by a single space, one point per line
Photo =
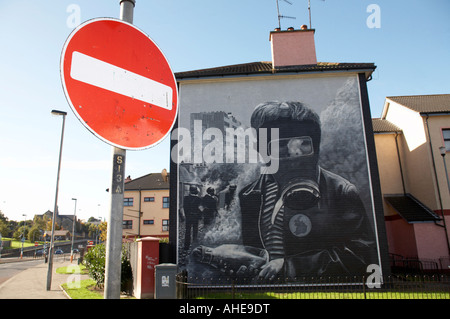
x=400 y=163
x=139 y=227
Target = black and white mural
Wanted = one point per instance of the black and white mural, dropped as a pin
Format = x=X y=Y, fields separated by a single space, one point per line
x=273 y=179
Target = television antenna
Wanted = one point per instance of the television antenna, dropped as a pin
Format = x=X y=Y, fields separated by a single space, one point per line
x=282 y=16
x=309 y=10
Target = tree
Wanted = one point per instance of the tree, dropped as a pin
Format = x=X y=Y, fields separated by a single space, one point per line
x=39 y=222
x=49 y=225
x=34 y=233
x=21 y=231
x=4 y=229
x=95 y=260
x=103 y=228
x=3 y=217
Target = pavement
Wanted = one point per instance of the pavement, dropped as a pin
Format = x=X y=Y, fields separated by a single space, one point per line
x=32 y=282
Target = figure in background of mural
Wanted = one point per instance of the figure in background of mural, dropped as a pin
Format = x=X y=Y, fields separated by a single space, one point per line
x=209 y=203
x=308 y=220
x=192 y=214
x=227 y=197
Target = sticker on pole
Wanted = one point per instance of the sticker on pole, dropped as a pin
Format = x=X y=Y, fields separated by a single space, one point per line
x=119 y=84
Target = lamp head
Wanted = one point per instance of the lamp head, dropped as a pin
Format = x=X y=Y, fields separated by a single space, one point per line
x=56 y=112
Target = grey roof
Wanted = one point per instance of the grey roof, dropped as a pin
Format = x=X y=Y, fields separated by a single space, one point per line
x=384 y=126
x=411 y=209
x=255 y=68
x=437 y=103
x=152 y=181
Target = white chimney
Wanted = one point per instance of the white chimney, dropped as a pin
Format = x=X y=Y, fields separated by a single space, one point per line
x=293 y=47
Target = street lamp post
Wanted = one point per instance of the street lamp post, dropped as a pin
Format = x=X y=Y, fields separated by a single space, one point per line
x=443 y=150
x=23 y=235
x=50 y=256
x=73 y=228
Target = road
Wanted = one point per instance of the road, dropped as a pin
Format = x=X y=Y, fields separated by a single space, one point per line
x=10 y=269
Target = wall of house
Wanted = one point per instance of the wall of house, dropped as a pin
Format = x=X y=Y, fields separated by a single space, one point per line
x=415 y=154
x=153 y=214
x=422 y=164
x=430 y=241
x=388 y=166
x=401 y=237
x=436 y=124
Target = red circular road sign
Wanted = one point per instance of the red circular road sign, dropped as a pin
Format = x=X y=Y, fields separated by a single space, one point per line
x=119 y=83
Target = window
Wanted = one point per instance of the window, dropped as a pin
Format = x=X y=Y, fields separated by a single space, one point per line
x=165 y=202
x=446 y=136
x=149 y=199
x=127 y=224
x=149 y=222
x=128 y=201
x=165 y=225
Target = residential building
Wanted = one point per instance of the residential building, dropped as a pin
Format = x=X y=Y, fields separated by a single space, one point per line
x=271 y=97
x=63 y=221
x=413 y=175
x=146 y=206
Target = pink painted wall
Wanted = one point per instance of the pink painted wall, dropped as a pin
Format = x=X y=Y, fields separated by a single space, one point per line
x=295 y=47
x=419 y=240
x=401 y=238
x=431 y=240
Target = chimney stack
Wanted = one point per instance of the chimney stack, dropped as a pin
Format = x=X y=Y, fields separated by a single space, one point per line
x=293 y=47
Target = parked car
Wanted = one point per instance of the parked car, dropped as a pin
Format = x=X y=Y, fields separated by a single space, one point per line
x=58 y=252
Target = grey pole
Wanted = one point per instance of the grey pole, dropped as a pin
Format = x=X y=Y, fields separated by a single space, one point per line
x=73 y=228
x=50 y=251
x=127 y=10
x=114 y=231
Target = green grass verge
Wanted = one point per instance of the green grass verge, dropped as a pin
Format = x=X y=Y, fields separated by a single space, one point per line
x=330 y=295
x=83 y=289
x=75 y=269
x=18 y=243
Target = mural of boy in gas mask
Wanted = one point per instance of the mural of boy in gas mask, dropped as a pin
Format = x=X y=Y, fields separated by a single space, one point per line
x=309 y=220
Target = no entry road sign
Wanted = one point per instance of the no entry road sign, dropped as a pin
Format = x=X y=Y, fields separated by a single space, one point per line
x=119 y=83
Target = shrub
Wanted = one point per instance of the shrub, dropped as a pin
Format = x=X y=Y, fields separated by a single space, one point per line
x=95 y=260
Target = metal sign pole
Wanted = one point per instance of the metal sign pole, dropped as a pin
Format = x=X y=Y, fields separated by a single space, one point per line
x=114 y=232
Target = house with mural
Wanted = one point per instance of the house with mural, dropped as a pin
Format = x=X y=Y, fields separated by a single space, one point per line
x=292 y=187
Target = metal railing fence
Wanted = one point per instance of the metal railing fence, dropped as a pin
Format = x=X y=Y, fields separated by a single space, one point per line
x=357 y=287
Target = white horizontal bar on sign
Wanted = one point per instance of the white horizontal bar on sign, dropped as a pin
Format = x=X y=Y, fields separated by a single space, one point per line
x=115 y=79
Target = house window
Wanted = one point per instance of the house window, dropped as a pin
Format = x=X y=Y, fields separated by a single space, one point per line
x=165 y=225
x=149 y=199
x=128 y=201
x=127 y=224
x=446 y=136
x=165 y=202
x=149 y=222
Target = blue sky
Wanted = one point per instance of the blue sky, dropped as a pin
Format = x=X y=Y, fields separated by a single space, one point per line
x=410 y=48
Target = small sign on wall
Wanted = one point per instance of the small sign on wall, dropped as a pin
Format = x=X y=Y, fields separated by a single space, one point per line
x=165 y=281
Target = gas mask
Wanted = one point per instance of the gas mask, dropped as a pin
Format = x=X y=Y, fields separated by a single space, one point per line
x=298 y=174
